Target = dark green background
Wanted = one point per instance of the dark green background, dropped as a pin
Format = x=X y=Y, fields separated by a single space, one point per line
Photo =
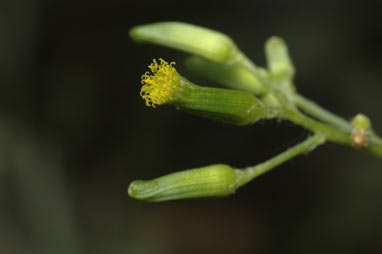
x=74 y=132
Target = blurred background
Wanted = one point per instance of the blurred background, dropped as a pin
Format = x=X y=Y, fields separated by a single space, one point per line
x=74 y=132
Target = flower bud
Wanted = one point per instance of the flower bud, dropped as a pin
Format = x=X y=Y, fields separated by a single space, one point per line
x=210 y=181
x=278 y=59
x=360 y=121
x=207 y=43
x=235 y=77
x=360 y=134
x=166 y=86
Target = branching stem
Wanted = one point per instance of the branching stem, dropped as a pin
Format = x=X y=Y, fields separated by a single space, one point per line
x=318 y=112
x=333 y=127
x=303 y=147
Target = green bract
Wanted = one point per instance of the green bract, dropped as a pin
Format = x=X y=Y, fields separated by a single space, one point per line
x=210 y=181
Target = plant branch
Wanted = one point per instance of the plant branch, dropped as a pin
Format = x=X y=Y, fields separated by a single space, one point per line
x=303 y=147
x=333 y=134
x=338 y=130
x=320 y=113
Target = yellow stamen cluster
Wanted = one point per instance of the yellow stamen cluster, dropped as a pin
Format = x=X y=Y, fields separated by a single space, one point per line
x=160 y=86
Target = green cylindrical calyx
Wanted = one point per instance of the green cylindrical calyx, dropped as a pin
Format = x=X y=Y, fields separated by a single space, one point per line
x=166 y=86
x=211 y=181
x=224 y=105
x=235 y=77
x=207 y=43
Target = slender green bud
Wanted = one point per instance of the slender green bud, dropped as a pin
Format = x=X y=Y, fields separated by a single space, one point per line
x=278 y=58
x=210 y=181
x=207 y=43
x=166 y=86
x=235 y=77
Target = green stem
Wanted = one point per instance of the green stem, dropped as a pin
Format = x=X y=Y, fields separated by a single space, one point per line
x=331 y=134
x=305 y=146
x=305 y=104
x=320 y=113
x=343 y=128
x=339 y=130
x=375 y=145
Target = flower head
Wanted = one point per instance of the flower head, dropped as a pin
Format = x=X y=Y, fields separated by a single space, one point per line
x=161 y=86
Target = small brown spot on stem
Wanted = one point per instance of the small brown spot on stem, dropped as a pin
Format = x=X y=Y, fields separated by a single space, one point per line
x=359 y=138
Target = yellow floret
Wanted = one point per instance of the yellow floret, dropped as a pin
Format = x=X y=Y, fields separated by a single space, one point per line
x=161 y=86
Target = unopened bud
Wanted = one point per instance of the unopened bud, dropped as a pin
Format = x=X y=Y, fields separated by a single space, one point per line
x=234 y=77
x=207 y=43
x=211 y=181
x=360 y=121
x=361 y=131
x=278 y=58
